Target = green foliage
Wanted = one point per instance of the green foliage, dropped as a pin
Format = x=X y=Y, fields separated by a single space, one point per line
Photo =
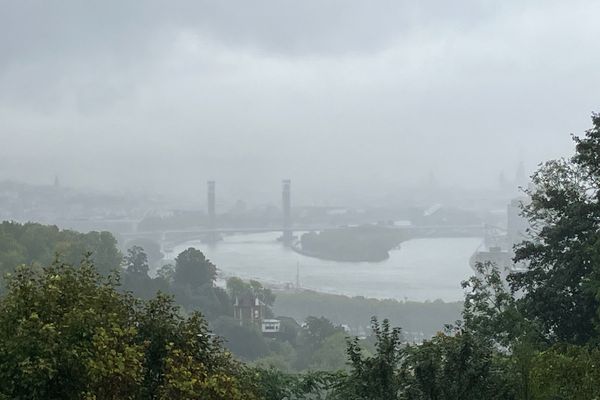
x=196 y=367
x=414 y=317
x=452 y=365
x=375 y=377
x=193 y=284
x=311 y=341
x=566 y=373
x=193 y=269
x=67 y=333
x=317 y=330
x=240 y=289
x=491 y=310
x=562 y=284
x=151 y=248
x=272 y=384
x=166 y=272
x=330 y=355
x=317 y=346
x=456 y=366
x=363 y=243
x=136 y=261
x=135 y=276
x=246 y=342
x=38 y=244
x=281 y=357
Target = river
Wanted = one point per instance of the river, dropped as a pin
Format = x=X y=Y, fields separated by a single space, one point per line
x=421 y=269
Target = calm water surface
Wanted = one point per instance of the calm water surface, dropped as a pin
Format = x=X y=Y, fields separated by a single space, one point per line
x=421 y=269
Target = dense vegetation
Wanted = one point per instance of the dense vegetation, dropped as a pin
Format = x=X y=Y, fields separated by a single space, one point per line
x=66 y=332
x=38 y=244
x=361 y=243
x=418 y=319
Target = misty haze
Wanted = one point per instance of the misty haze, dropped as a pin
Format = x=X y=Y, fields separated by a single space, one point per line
x=272 y=200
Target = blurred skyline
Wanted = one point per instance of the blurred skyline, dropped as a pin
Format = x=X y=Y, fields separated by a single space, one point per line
x=342 y=97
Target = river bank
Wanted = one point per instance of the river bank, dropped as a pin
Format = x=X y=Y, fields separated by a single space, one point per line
x=417 y=319
x=374 y=259
x=366 y=243
x=424 y=269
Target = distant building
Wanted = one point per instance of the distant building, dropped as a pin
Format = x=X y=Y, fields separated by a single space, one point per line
x=248 y=310
x=497 y=248
x=495 y=255
x=516 y=225
x=270 y=326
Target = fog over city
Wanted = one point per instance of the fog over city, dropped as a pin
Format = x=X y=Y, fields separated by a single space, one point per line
x=343 y=97
x=299 y=199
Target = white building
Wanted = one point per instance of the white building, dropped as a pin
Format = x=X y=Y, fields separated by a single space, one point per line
x=271 y=326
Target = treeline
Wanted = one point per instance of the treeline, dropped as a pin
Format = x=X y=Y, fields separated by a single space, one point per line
x=37 y=244
x=67 y=333
x=419 y=320
x=353 y=244
x=190 y=280
x=532 y=336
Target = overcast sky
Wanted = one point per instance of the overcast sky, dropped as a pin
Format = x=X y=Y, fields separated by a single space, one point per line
x=159 y=96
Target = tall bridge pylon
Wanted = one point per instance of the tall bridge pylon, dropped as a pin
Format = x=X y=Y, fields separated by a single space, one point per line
x=286 y=198
x=211 y=211
x=286 y=207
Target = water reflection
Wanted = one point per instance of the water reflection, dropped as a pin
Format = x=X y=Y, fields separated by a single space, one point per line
x=422 y=269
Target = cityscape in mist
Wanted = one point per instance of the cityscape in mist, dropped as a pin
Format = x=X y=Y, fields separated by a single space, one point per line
x=299 y=200
x=369 y=99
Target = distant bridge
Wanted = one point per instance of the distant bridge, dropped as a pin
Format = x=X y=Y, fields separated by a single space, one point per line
x=171 y=238
x=212 y=232
x=208 y=234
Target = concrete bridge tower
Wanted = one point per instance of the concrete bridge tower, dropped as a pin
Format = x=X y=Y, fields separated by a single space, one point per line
x=286 y=197
x=211 y=211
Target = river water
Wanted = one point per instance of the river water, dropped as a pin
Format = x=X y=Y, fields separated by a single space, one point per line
x=421 y=269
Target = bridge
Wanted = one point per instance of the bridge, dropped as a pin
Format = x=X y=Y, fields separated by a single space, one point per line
x=212 y=232
x=170 y=238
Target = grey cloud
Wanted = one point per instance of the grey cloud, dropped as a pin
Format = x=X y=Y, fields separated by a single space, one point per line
x=357 y=93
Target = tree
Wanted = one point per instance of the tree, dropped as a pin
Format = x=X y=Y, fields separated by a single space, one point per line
x=67 y=333
x=492 y=317
x=136 y=262
x=166 y=272
x=375 y=377
x=456 y=365
x=566 y=372
x=246 y=342
x=312 y=338
x=491 y=310
x=272 y=384
x=237 y=288
x=33 y=243
x=193 y=285
x=317 y=330
x=331 y=355
x=151 y=248
x=193 y=269
x=561 y=287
